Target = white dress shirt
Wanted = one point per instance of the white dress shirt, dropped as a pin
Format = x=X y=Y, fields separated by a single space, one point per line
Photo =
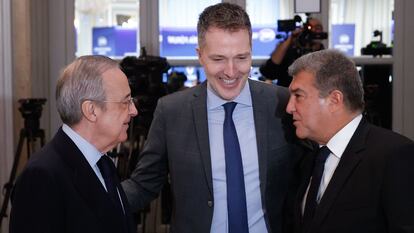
x=337 y=145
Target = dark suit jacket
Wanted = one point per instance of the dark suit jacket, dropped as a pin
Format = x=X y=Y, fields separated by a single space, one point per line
x=371 y=190
x=59 y=192
x=178 y=145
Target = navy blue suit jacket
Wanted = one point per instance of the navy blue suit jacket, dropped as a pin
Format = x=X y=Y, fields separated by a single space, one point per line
x=59 y=192
x=371 y=190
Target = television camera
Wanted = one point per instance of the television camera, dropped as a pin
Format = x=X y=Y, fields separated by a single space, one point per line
x=377 y=48
x=31 y=110
x=145 y=78
x=144 y=75
x=308 y=34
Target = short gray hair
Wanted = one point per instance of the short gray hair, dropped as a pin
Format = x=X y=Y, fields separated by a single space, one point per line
x=226 y=16
x=79 y=81
x=333 y=70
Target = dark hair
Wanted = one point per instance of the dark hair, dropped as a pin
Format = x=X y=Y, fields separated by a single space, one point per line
x=225 y=16
x=333 y=70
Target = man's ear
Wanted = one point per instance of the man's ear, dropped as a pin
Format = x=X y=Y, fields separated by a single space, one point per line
x=88 y=108
x=198 y=50
x=336 y=100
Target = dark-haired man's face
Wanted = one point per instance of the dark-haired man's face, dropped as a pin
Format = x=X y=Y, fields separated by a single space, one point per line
x=226 y=58
x=310 y=111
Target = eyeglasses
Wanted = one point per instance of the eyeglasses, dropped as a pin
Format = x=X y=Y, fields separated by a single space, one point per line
x=132 y=101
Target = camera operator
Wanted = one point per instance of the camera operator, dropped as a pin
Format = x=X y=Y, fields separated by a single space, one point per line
x=294 y=46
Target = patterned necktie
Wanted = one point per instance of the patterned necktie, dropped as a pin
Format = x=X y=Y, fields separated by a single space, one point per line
x=311 y=199
x=236 y=195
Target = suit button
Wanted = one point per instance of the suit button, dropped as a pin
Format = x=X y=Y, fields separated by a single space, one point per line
x=210 y=204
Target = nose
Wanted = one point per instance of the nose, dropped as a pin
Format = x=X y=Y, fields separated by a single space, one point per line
x=317 y=28
x=133 y=109
x=229 y=69
x=290 y=108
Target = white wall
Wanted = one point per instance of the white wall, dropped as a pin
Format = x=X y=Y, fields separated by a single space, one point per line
x=403 y=87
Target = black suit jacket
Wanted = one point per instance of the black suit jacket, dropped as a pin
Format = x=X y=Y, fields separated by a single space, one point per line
x=372 y=188
x=59 y=192
x=178 y=145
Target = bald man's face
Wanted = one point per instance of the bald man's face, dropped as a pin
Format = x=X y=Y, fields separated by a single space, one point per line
x=315 y=25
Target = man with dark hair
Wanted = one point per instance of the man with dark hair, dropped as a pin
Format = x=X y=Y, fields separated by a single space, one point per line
x=71 y=185
x=361 y=179
x=222 y=143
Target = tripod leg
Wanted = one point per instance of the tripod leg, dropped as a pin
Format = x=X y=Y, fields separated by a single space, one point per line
x=29 y=137
x=42 y=138
x=9 y=185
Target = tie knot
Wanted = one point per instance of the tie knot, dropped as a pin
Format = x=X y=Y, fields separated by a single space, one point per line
x=106 y=166
x=229 y=107
x=322 y=154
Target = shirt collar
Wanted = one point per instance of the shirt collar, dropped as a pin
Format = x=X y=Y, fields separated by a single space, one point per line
x=91 y=154
x=340 y=140
x=214 y=101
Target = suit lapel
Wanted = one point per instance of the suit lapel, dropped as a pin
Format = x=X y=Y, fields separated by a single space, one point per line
x=305 y=174
x=260 y=112
x=199 y=105
x=87 y=184
x=349 y=161
x=127 y=209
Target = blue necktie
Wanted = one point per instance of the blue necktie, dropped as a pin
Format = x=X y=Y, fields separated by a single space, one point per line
x=311 y=199
x=236 y=195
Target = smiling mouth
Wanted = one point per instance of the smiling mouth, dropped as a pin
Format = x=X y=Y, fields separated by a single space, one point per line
x=229 y=81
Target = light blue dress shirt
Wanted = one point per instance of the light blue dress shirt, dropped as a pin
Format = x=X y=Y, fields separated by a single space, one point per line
x=244 y=122
x=91 y=154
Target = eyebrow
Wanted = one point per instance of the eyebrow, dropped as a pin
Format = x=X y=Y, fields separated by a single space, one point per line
x=244 y=54
x=223 y=56
x=216 y=56
x=296 y=90
x=127 y=95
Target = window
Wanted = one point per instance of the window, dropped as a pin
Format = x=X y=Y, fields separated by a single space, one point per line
x=263 y=18
x=353 y=23
x=178 y=27
x=107 y=27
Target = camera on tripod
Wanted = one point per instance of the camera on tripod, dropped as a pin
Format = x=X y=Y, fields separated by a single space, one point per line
x=145 y=78
x=307 y=35
x=376 y=48
x=31 y=110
